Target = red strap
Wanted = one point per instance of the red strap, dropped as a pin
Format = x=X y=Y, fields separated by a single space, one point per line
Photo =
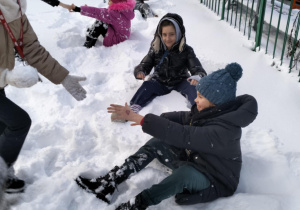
x=142 y=121
x=18 y=44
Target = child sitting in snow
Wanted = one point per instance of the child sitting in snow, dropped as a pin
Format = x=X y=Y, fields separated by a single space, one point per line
x=172 y=60
x=113 y=23
x=201 y=146
x=144 y=9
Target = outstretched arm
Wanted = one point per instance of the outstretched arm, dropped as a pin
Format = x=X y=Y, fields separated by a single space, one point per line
x=125 y=113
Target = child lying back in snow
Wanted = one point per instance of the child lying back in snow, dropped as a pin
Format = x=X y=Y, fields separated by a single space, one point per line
x=114 y=23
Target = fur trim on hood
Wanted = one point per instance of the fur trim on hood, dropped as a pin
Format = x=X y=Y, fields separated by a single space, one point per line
x=157 y=42
x=122 y=6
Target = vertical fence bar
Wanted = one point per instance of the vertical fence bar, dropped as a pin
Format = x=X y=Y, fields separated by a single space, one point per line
x=215 y=10
x=236 y=10
x=277 y=28
x=294 y=45
x=219 y=10
x=231 y=13
x=270 y=24
x=241 y=12
x=212 y=5
x=286 y=32
x=228 y=8
x=246 y=18
x=260 y=25
x=250 y=22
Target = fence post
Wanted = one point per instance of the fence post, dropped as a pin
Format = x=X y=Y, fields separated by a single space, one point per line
x=286 y=31
x=223 y=10
x=260 y=24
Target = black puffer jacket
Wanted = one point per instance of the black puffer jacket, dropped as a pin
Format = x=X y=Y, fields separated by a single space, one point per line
x=213 y=140
x=176 y=66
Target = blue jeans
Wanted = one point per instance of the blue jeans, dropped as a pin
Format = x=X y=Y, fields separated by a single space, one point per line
x=152 y=88
x=14 y=126
x=184 y=177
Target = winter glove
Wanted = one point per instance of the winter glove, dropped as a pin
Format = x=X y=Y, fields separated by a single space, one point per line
x=53 y=3
x=20 y=77
x=71 y=83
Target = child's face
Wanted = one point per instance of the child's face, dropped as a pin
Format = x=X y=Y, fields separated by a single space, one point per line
x=168 y=34
x=202 y=102
x=110 y=2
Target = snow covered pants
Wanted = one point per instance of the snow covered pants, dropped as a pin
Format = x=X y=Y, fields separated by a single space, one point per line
x=144 y=9
x=184 y=177
x=152 y=88
x=98 y=28
x=14 y=126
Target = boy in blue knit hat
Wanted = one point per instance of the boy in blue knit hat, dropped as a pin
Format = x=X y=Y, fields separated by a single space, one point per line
x=201 y=146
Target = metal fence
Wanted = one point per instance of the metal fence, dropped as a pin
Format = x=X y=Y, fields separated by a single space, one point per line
x=256 y=20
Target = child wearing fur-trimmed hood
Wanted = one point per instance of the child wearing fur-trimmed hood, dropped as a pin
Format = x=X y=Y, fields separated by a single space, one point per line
x=113 y=23
x=173 y=61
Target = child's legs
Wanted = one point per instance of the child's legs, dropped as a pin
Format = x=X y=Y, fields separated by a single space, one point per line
x=97 y=29
x=154 y=148
x=148 y=91
x=184 y=177
x=188 y=90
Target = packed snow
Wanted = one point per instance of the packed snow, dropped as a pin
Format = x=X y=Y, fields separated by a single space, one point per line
x=69 y=138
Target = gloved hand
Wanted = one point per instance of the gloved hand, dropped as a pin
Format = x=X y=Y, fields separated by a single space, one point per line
x=71 y=83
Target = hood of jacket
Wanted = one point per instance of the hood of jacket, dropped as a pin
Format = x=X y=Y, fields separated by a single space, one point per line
x=241 y=112
x=122 y=6
x=157 y=42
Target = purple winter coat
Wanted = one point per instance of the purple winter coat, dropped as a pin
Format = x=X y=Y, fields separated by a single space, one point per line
x=117 y=16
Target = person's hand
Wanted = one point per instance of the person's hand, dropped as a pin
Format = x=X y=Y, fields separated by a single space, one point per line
x=192 y=81
x=140 y=75
x=67 y=6
x=71 y=84
x=125 y=113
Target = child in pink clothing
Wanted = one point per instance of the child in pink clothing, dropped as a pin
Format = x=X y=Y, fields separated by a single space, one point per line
x=113 y=23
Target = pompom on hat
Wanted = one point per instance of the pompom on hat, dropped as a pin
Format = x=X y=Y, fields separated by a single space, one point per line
x=219 y=87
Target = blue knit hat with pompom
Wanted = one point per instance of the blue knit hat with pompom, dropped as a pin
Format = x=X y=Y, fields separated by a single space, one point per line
x=219 y=87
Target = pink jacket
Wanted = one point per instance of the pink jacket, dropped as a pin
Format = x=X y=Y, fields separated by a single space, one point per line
x=117 y=16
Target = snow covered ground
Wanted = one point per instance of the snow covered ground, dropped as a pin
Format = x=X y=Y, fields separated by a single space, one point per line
x=69 y=138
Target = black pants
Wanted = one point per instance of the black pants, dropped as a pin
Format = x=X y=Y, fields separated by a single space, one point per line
x=98 y=28
x=14 y=126
x=184 y=177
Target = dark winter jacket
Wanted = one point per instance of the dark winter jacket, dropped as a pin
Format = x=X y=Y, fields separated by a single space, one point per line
x=176 y=66
x=212 y=139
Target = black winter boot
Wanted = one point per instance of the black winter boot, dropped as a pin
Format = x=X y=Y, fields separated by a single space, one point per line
x=13 y=183
x=103 y=187
x=89 y=43
x=133 y=204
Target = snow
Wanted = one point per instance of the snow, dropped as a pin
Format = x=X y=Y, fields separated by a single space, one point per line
x=70 y=138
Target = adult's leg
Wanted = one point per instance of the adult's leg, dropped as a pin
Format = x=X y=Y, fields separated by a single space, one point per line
x=15 y=124
x=187 y=90
x=147 y=92
x=98 y=28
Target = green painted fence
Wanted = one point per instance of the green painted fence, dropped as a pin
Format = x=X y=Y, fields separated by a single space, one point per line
x=249 y=17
